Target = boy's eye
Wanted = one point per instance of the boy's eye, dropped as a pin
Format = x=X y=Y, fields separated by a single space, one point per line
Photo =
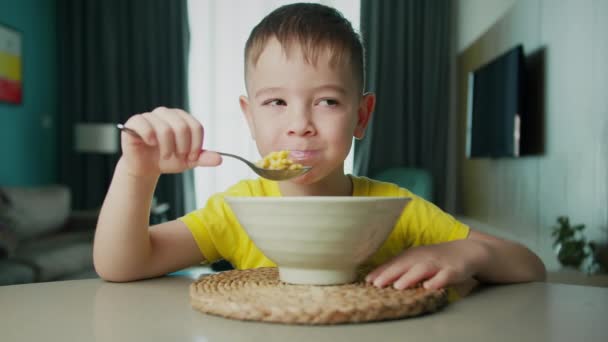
x=275 y=102
x=328 y=102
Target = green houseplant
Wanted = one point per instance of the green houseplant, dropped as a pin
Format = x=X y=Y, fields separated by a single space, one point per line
x=572 y=248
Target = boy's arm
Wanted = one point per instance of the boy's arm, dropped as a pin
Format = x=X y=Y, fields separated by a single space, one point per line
x=170 y=141
x=125 y=248
x=503 y=261
x=480 y=257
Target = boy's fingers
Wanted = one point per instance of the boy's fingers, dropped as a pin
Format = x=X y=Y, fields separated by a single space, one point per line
x=140 y=125
x=179 y=127
x=197 y=134
x=384 y=269
x=392 y=272
x=415 y=275
x=209 y=158
x=164 y=135
x=377 y=271
x=440 y=280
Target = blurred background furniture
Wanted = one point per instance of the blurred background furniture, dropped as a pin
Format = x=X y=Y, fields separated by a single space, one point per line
x=41 y=238
x=158 y=212
x=418 y=181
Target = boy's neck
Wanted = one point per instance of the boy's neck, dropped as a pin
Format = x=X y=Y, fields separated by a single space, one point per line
x=336 y=184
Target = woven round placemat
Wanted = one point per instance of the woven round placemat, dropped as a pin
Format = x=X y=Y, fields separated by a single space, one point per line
x=259 y=295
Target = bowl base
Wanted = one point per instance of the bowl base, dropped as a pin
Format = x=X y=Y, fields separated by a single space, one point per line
x=306 y=276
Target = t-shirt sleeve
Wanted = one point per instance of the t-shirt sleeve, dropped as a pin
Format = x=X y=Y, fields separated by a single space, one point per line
x=210 y=229
x=423 y=223
x=443 y=228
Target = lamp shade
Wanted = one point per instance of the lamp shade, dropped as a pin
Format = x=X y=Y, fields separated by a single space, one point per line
x=96 y=138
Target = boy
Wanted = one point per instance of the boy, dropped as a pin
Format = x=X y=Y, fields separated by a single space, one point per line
x=304 y=79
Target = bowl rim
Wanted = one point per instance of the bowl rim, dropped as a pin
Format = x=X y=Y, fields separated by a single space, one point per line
x=299 y=199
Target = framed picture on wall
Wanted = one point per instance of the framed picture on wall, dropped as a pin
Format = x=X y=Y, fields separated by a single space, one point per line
x=11 y=76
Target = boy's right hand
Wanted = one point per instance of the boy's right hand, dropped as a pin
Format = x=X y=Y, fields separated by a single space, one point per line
x=172 y=143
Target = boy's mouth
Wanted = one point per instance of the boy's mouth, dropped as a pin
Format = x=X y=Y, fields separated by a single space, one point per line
x=303 y=155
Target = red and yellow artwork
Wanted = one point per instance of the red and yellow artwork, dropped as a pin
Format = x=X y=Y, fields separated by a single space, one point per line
x=11 y=85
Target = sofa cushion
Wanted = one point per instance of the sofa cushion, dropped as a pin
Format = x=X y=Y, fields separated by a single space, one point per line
x=58 y=255
x=8 y=238
x=36 y=210
x=14 y=272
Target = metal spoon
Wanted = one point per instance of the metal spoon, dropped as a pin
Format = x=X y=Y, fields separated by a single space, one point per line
x=276 y=175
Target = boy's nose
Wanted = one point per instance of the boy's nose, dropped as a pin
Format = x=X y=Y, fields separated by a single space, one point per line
x=301 y=124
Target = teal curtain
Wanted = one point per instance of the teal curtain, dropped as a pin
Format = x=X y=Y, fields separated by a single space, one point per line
x=407 y=62
x=118 y=58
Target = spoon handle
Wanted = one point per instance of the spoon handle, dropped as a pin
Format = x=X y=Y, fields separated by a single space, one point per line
x=276 y=175
x=135 y=134
x=237 y=157
x=129 y=130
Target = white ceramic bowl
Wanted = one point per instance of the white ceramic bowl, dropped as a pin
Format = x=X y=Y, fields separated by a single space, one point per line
x=318 y=240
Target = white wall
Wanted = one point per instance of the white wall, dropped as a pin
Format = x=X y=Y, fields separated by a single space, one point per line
x=474 y=17
x=523 y=197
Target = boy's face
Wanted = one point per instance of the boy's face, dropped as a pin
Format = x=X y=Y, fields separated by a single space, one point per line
x=312 y=110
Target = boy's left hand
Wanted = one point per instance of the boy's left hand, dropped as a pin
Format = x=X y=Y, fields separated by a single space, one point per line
x=436 y=266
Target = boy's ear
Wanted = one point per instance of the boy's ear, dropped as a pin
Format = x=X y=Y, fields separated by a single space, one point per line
x=364 y=114
x=246 y=109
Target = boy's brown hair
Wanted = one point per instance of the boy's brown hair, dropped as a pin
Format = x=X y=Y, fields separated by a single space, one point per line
x=314 y=28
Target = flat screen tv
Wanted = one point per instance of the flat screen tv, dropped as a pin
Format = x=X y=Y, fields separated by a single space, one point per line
x=494 y=107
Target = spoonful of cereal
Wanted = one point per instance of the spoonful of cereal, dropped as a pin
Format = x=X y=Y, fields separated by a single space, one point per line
x=275 y=166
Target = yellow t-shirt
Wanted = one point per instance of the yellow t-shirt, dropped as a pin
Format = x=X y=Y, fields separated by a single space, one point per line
x=219 y=235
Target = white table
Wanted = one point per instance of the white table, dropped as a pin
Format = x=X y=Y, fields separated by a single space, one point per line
x=159 y=310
